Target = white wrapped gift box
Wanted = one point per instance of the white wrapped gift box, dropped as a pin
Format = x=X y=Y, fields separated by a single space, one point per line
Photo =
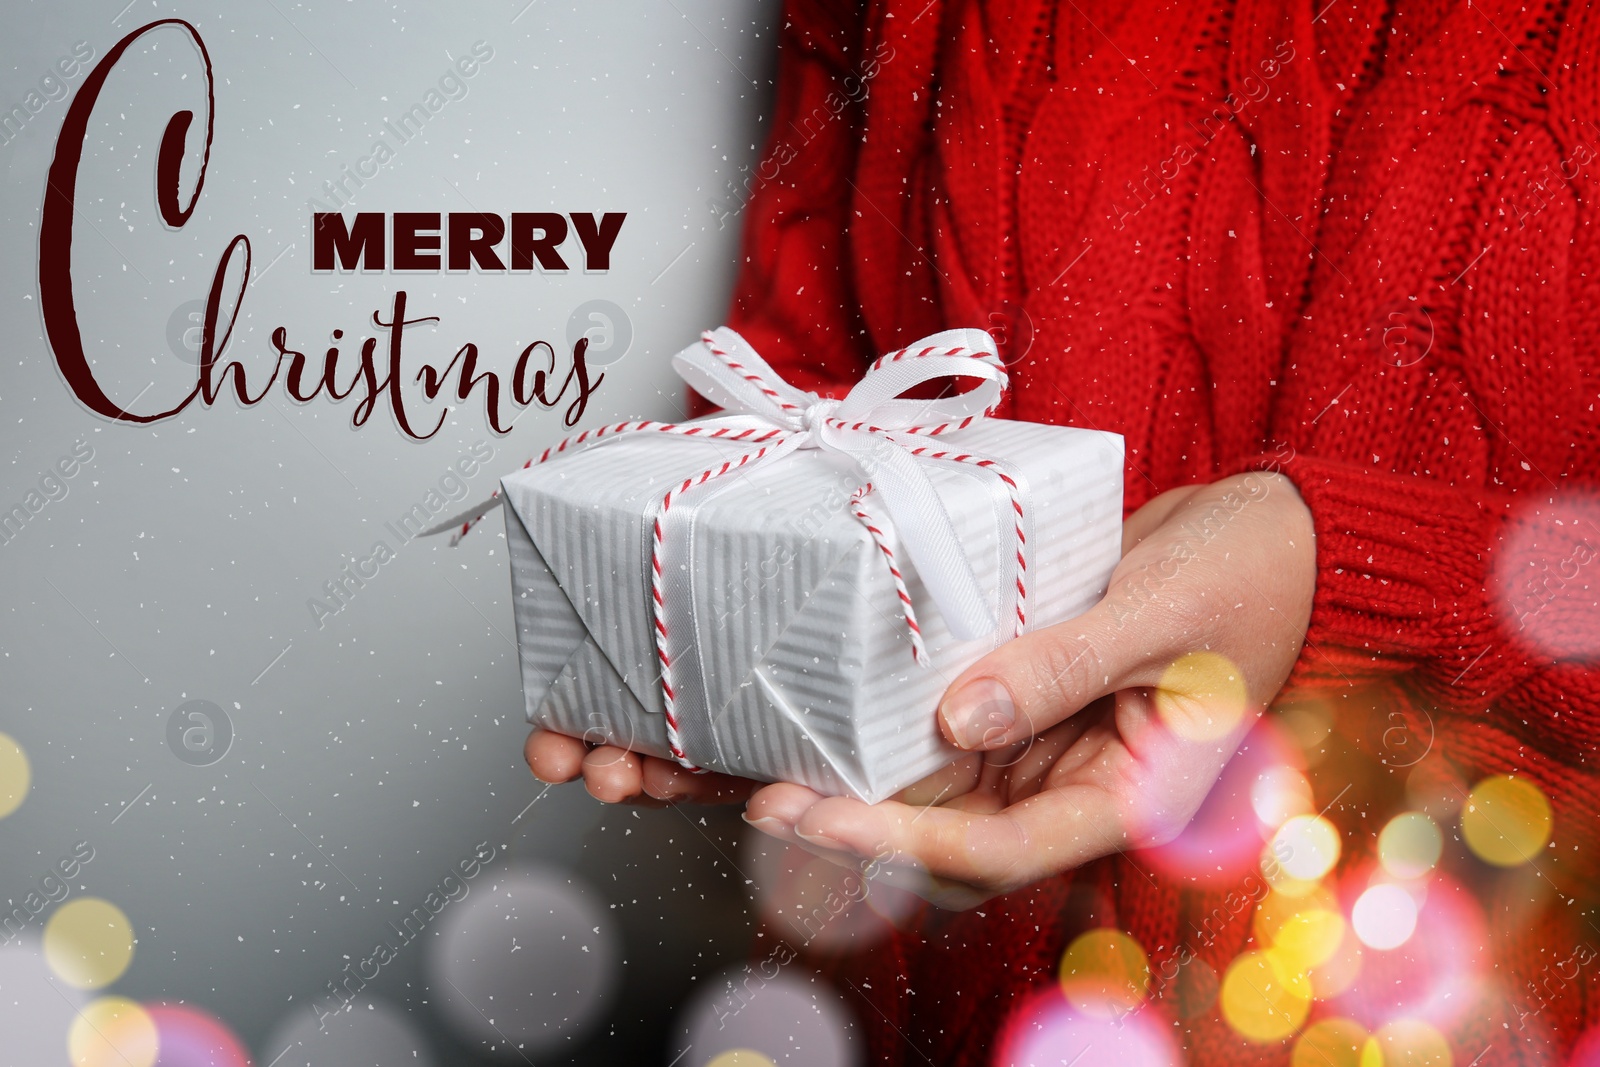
x=791 y=658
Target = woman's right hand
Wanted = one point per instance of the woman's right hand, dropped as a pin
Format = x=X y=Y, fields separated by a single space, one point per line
x=618 y=776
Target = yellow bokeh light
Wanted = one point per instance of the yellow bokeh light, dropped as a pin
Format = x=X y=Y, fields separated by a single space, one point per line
x=1506 y=821
x=1202 y=696
x=1339 y=971
x=1264 y=997
x=1105 y=972
x=1306 y=847
x=1409 y=845
x=1335 y=1042
x=741 y=1057
x=113 y=1032
x=1411 y=1043
x=88 y=942
x=15 y=775
x=1306 y=930
x=1309 y=723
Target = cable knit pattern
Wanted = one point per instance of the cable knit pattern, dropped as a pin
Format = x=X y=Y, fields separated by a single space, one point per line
x=1358 y=236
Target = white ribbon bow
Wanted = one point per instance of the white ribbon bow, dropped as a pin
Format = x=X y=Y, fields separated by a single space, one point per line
x=880 y=431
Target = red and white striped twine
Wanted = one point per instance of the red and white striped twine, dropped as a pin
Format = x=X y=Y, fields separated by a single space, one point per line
x=754 y=435
x=710 y=341
x=1017 y=515
x=919 y=652
x=659 y=602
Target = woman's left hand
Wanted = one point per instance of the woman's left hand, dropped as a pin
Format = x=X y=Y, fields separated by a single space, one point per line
x=1100 y=734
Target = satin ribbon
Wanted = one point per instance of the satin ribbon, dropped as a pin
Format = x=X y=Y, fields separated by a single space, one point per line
x=876 y=428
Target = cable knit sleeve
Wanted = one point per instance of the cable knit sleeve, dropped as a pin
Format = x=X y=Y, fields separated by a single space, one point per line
x=794 y=300
x=1401 y=576
x=1477 y=598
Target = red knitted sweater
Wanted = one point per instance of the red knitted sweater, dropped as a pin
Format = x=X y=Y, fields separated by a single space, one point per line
x=1354 y=234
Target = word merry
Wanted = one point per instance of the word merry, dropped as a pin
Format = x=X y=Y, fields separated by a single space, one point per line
x=472 y=236
x=359 y=972
x=53 y=888
x=52 y=487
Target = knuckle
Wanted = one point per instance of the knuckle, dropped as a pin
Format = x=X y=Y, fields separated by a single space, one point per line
x=1059 y=668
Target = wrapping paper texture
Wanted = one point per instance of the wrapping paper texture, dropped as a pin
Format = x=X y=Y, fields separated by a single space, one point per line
x=791 y=656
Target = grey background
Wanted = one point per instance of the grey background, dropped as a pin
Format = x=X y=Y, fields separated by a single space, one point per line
x=373 y=752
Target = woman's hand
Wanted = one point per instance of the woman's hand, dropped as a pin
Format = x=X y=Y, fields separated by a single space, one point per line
x=1086 y=738
x=1103 y=733
x=617 y=776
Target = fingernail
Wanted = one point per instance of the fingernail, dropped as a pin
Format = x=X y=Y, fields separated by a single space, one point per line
x=980 y=714
x=768 y=825
x=821 y=841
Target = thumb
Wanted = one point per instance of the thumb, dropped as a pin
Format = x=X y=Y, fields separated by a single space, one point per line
x=1029 y=684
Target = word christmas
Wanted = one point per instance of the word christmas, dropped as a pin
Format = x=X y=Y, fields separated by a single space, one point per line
x=413 y=242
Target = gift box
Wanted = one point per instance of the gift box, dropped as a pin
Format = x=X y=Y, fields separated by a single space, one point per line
x=783 y=592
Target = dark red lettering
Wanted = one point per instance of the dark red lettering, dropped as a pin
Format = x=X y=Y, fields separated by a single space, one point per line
x=412 y=239
x=358 y=246
x=552 y=230
x=473 y=236
x=597 y=240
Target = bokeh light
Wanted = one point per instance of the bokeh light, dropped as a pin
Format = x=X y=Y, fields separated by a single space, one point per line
x=113 y=1032
x=189 y=1037
x=1541 y=575
x=1409 y=845
x=1436 y=975
x=1264 y=996
x=15 y=775
x=1305 y=930
x=369 y=1031
x=1308 y=723
x=1047 y=1031
x=1411 y=1043
x=1506 y=820
x=88 y=942
x=1332 y=1042
x=741 y=1057
x=1202 y=696
x=36 y=1011
x=481 y=959
x=1105 y=972
x=1341 y=969
x=817 y=903
x=765 y=1014
x=1279 y=794
x=1306 y=847
x=1223 y=841
x=1384 y=917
